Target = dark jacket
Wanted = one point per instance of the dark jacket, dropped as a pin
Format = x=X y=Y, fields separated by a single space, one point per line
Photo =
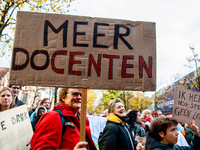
x=48 y=133
x=117 y=135
x=18 y=102
x=153 y=144
x=31 y=111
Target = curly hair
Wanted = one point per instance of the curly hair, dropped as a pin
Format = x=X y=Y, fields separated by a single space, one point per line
x=132 y=115
x=5 y=89
x=161 y=124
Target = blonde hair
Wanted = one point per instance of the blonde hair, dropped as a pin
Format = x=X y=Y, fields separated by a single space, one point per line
x=5 y=89
x=111 y=105
x=146 y=111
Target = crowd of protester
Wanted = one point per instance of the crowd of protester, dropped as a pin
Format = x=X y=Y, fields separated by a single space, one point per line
x=60 y=128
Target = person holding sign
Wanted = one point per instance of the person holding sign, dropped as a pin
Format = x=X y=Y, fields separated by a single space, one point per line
x=164 y=136
x=116 y=135
x=6 y=99
x=52 y=133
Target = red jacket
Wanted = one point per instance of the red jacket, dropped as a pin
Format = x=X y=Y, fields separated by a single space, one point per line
x=48 y=134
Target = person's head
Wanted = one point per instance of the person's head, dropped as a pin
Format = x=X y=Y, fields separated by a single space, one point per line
x=158 y=113
x=45 y=102
x=106 y=113
x=164 y=129
x=134 y=116
x=146 y=113
x=15 y=89
x=71 y=97
x=101 y=114
x=6 y=98
x=40 y=110
x=116 y=106
x=94 y=114
x=186 y=126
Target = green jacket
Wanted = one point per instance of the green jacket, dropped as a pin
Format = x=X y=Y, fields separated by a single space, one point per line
x=188 y=135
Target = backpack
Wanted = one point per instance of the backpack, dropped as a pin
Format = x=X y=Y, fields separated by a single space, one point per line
x=64 y=122
x=100 y=138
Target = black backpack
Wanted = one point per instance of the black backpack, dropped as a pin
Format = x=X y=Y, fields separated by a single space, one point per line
x=100 y=138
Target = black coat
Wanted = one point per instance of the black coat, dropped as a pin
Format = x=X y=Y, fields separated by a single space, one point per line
x=117 y=136
x=18 y=102
x=153 y=144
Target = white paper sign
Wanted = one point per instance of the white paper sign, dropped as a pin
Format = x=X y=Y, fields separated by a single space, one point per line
x=15 y=129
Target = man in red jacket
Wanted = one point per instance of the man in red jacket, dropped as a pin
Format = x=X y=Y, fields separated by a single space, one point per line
x=48 y=134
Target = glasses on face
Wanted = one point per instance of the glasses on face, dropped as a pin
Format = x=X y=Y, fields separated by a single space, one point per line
x=76 y=94
x=15 y=88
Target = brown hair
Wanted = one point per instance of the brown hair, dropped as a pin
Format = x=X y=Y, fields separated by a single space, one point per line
x=43 y=100
x=10 y=86
x=62 y=94
x=111 y=105
x=5 y=89
x=161 y=124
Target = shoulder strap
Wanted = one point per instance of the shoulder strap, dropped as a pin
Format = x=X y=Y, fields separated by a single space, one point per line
x=62 y=120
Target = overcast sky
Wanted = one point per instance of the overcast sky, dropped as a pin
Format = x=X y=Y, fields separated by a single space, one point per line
x=177 y=27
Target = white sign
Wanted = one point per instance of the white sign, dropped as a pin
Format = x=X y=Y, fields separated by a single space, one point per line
x=15 y=129
x=97 y=124
x=165 y=103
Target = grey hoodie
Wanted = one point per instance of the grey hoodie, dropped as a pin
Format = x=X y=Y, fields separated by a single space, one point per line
x=37 y=109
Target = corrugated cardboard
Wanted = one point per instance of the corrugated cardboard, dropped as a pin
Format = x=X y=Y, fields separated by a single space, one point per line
x=186 y=106
x=66 y=51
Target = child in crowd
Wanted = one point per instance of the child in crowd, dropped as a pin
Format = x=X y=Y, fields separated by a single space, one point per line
x=40 y=110
x=164 y=135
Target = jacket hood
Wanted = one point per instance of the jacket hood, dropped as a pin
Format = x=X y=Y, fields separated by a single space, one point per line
x=152 y=143
x=37 y=109
x=114 y=118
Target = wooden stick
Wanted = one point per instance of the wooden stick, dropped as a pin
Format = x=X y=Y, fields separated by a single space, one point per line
x=83 y=115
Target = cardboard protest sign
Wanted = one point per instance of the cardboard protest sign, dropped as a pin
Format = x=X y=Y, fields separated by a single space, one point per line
x=76 y=51
x=15 y=129
x=141 y=140
x=186 y=106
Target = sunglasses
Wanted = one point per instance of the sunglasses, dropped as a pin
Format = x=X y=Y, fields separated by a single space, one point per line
x=76 y=94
